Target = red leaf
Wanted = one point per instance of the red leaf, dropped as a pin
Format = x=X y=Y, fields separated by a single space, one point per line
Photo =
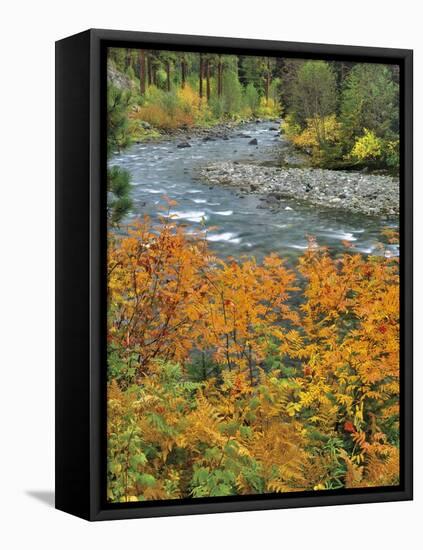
x=349 y=426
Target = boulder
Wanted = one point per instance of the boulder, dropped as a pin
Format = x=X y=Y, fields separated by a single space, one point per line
x=183 y=144
x=253 y=142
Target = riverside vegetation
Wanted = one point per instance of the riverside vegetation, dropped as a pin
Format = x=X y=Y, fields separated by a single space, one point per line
x=234 y=376
x=340 y=115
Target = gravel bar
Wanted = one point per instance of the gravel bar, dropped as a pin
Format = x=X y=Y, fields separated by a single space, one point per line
x=358 y=192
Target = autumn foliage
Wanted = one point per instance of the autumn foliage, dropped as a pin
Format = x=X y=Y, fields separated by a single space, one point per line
x=233 y=377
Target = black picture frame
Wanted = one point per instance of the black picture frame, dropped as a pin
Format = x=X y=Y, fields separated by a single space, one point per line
x=81 y=285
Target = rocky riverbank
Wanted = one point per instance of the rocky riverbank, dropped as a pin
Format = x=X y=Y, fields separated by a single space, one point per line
x=221 y=130
x=370 y=194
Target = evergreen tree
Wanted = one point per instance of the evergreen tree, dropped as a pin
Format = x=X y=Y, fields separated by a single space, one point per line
x=314 y=92
x=370 y=100
x=252 y=98
x=118 y=181
x=232 y=92
x=117 y=121
x=118 y=194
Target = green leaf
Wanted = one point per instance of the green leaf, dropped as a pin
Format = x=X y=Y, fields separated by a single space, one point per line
x=201 y=475
x=139 y=459
x=146 y=479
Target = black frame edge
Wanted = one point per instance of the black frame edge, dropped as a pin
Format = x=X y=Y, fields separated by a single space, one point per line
x=297 y=49
x=72 y=389
x=406 y=269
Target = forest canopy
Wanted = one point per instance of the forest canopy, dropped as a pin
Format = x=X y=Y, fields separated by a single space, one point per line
x=340 y=113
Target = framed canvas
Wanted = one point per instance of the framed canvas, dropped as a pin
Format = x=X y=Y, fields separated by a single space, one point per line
x=233 y=274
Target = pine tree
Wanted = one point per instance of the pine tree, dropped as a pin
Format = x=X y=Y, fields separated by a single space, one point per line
x=118 y=191
x=370 y=100
x=118 y=180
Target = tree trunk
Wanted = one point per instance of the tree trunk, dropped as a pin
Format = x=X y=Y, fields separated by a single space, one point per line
x=128 y=58
x=168 y=75
x=150 y=70
x=208 y=79
x=267 y=86
x=200 y=90
x=142 y=72
x=183 y=72
x=219 y=77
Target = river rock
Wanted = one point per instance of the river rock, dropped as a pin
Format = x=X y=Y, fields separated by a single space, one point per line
x=183 y=144
x=370 y=194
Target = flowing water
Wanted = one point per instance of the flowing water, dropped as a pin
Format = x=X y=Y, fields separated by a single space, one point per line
x=241 y=225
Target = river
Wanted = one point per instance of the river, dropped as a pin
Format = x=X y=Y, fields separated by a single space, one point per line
x=241 y=225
